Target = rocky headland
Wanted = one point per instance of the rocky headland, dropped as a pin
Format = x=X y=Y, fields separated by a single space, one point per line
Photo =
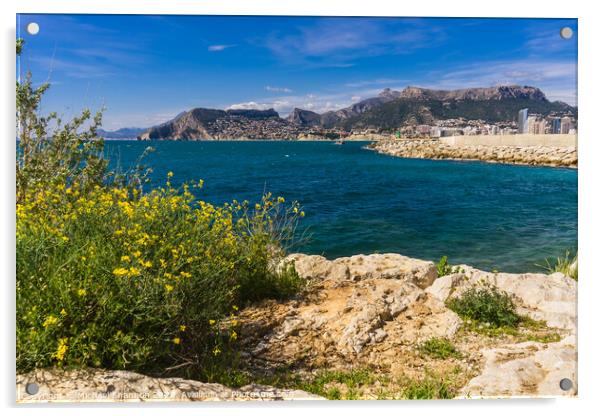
x=521 y=155
x=372 y=313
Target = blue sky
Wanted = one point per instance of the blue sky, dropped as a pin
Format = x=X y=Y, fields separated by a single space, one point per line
x=146 y=69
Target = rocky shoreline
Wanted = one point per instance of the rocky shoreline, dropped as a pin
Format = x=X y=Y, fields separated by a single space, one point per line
x=371 y=313
x=520 y=155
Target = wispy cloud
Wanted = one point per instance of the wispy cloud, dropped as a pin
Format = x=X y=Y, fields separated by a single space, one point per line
x=375 y=82
x=337 y=42
x=75 y=69
x=556 y=78
x=277 y=89
x=219 y=48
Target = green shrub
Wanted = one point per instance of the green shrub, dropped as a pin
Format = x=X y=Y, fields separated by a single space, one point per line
x=116 y=279
x=444 y=268
x=110 y=276
x=486 y=304
x=440 y=348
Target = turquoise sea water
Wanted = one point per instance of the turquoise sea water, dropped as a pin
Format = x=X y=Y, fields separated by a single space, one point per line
x=490 y=216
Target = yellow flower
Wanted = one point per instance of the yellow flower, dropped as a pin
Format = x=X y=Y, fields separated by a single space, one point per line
x=81 y=292
x=216 y=351
x=65 y=238
x=63 y=312
x=280 y=199
x=235 y=307
x=120 y=271
x=185 y=274
x=50 y=320
x=176 y=340
x=61 y=350
x=168 y=288
x=147 y=263
x=233 y=336
x=182 y=328
x=169 y=174
x=212 y=322
x=125 y=258
x=134 y=271
x=137 y=253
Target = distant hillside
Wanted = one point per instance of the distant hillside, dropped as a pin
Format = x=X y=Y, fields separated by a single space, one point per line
x=424 y=111
x=123 y=133
x=389 y=110
x=208 y=124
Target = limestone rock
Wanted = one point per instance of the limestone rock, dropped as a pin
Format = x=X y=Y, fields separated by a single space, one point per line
x=552 y=298
x=526 y=369
x=96 y=385
x=360 y=267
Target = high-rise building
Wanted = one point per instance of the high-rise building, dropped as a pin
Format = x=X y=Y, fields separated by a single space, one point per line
x=531 y=125
x=523 y=116
x=566 y=124
x=555 y=125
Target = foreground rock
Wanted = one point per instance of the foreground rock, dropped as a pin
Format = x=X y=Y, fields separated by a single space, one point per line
x=372 y=313
x=124 y=386
x=435 y=149
x=528 y=368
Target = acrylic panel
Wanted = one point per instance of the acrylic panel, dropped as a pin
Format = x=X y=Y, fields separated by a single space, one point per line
x=295 y=208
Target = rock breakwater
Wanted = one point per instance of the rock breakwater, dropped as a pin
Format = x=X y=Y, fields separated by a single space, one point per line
x=436 y=149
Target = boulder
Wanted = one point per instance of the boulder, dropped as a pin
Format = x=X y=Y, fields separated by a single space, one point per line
x=360 y=267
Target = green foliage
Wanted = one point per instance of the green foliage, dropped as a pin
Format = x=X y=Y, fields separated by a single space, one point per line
x=429 y=387
x=110 y=276
x=440 y=348
x=487 y=305
x=444 y=268
x=20 y=42
x=566 y=265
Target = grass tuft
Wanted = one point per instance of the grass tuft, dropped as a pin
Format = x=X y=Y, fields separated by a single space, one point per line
x=440 y=348
x=566 y=265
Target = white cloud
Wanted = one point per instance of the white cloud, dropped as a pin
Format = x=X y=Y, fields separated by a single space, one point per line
x=277 y=89
x=219 y=48
x=318 y=103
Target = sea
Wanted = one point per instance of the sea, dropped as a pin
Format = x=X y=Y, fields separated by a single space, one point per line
x=508 y=218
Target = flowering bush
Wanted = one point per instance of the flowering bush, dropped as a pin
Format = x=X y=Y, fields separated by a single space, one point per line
x=109 y=276
x=118 y=279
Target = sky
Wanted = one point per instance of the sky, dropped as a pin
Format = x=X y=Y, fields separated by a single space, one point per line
x=145 y=69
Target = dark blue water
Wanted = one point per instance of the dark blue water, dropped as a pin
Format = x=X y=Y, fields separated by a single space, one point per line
x=490 y=216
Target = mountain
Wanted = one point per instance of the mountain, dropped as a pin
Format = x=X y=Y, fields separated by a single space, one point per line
x=123 y=133
x=335 y=118
x=389 y=110
x=501 y=92
x=304 y=117
x=423 y=106
x=208 y=124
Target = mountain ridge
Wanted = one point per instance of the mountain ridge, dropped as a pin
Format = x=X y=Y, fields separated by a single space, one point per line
x=390 y=109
